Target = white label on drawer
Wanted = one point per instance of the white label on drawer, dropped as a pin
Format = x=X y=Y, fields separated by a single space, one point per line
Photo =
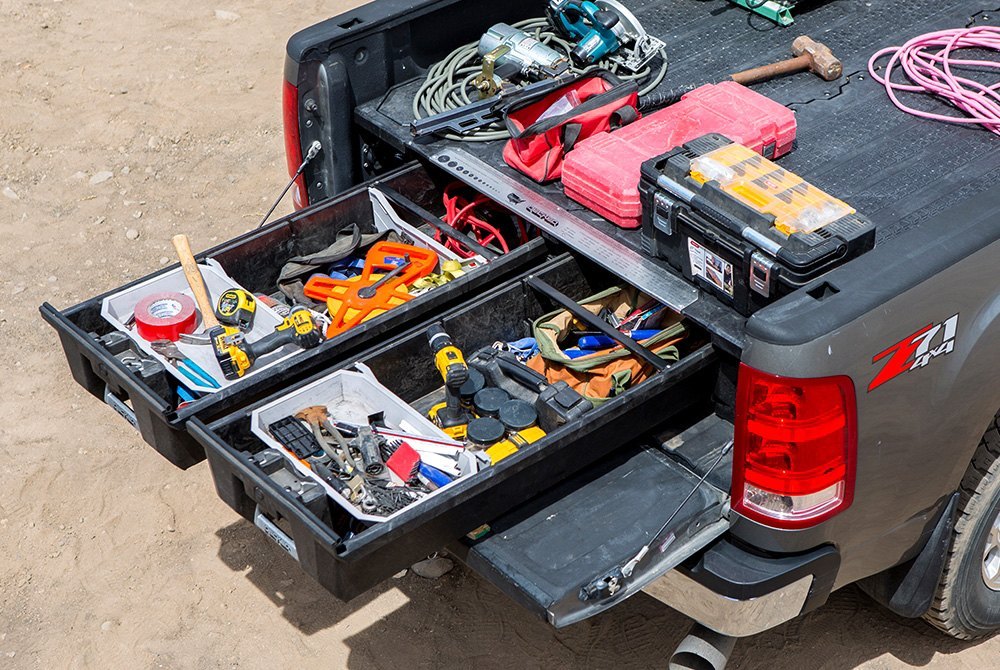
x=711 y=268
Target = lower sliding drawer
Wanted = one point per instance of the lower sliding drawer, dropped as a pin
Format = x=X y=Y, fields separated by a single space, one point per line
x=348 y=555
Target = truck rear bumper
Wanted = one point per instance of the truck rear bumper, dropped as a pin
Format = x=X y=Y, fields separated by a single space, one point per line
x=737 y=593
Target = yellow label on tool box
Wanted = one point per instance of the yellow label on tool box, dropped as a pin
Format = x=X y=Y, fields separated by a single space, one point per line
x=797 y=206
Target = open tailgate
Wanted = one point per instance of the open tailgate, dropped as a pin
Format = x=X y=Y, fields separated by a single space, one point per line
x=562 y=555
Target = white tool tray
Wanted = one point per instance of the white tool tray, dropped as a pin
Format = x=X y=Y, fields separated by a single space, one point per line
x=118 y=309
x=351 y=397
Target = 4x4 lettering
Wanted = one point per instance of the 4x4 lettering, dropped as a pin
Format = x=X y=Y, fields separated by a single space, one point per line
x=915 y=351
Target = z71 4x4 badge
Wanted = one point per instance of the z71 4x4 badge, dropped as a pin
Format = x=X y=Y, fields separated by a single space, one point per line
x=916 y=350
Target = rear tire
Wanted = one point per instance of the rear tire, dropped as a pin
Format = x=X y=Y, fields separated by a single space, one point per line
x=967 y=601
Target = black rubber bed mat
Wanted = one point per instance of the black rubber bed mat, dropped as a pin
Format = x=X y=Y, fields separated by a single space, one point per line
x=896 y=169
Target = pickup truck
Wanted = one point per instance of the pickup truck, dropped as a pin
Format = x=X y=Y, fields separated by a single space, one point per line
x=892 y=357
x=847 y=433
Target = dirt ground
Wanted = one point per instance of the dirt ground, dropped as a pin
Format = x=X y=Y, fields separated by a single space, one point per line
x=124 y=123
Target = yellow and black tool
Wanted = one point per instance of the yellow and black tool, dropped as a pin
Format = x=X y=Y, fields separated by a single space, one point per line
x=449 y=415
x=238 y=308
x=236 y=355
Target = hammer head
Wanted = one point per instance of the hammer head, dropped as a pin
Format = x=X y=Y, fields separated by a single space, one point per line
x=821 y=59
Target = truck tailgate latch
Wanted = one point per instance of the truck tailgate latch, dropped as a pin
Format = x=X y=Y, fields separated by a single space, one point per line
x=604 y=586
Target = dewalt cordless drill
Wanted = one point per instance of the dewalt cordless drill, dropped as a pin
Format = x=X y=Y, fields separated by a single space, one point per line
x=236 y=355
x=448 y=359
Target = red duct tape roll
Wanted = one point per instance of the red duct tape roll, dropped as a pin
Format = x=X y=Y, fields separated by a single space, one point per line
x=165 y=316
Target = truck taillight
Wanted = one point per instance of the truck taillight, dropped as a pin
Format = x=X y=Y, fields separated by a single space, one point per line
x=293 y=145
x=795 y=448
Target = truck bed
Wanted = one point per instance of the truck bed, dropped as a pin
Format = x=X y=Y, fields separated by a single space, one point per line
x=896 y=169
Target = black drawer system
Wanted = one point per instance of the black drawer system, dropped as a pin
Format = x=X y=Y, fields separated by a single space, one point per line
x=346 y=557
x=254 y=260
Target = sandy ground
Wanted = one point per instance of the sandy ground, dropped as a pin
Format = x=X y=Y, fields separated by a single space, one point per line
x=123 y=123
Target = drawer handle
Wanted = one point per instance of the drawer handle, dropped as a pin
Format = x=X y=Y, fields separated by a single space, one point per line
x=119 y=406
x=571 y=306
x=279 y=536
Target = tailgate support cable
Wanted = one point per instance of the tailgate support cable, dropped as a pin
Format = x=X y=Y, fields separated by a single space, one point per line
x=314 y=149
x=612 y=581
x=629 y=567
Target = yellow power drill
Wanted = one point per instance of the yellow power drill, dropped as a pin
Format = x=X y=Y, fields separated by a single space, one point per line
x=236 y=355
x=448 y=359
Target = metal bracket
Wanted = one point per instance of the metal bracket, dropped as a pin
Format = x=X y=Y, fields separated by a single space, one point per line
x=279 y=536
x=119 y=406
x=486 y=82
x=761 y=269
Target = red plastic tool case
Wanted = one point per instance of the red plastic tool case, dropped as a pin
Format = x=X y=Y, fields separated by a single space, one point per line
x=602 y=172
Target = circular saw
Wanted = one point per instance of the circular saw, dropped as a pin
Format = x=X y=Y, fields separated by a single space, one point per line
x=604 y=29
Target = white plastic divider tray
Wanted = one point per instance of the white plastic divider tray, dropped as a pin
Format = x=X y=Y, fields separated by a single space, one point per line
x=352 y=397
x=118 y=309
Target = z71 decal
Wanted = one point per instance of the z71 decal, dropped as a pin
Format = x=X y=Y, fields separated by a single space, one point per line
x=916 y=350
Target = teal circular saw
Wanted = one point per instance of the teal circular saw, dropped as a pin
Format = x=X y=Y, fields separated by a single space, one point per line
x=603 y=29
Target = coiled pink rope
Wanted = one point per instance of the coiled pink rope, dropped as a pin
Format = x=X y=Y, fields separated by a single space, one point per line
x=928 y=61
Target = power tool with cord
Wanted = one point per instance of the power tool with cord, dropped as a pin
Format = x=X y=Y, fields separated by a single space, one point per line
x=449 y=415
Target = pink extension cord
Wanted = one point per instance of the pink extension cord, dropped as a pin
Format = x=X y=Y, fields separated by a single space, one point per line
x=928 y=61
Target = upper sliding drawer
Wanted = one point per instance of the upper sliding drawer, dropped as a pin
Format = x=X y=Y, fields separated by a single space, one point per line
x=108 y=357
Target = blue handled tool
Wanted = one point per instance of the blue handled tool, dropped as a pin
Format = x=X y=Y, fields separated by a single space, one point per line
x=605 y=342
x=191 y=370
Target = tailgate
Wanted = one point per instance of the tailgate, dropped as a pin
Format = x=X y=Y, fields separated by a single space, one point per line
x=562 y=556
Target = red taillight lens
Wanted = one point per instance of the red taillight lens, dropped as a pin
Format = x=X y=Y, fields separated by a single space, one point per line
x=293 y=146
x=796 y=447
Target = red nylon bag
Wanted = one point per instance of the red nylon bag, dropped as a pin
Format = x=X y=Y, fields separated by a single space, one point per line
x=543 y=131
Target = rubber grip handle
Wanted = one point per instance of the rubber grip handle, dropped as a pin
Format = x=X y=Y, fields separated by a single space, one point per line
x=197 y=283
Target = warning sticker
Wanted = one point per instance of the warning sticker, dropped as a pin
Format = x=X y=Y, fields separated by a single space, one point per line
x=711 y=268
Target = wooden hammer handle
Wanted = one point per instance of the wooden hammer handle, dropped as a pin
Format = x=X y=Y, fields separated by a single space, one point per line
x=195 y=281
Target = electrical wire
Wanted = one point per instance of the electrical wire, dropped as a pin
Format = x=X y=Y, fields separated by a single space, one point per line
x=929 y=63
x=448 y=83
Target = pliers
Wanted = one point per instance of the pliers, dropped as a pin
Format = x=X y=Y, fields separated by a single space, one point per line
x=194 y=372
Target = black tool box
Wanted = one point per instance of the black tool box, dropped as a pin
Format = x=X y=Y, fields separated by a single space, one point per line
x=729 y=247
x=347 y=559
x=254 y=260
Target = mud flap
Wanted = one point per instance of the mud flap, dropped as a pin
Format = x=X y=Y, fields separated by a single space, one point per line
x=567 y=555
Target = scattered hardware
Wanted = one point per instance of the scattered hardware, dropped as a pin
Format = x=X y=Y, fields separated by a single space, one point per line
x=238 y=308
x=742 y=227
x=235 y=355
x=448 y=359
x=810 y=55
x=165 y=316
x=390 y=268
x=194 y=372
x=509 y=53
x=372 y=453
x=602 y=172
x=604 y=28
x=932 y=69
